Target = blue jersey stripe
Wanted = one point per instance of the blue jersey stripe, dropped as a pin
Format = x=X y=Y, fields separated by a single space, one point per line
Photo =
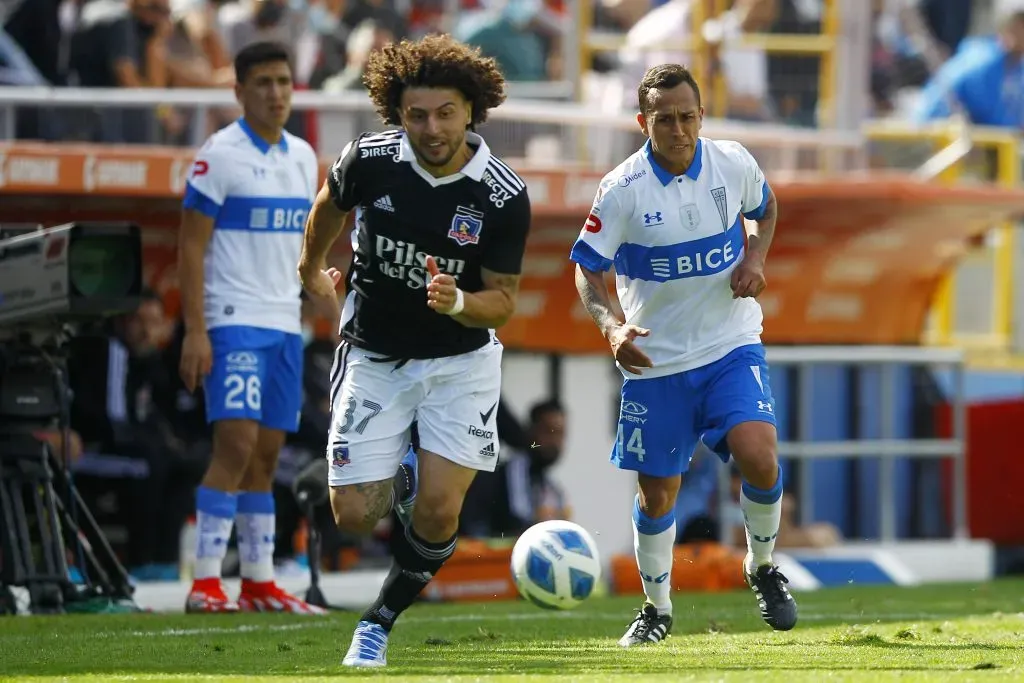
x=697 y=258
x=197 y=201
x=585 y=255
x=263 y=214
x=758 y=213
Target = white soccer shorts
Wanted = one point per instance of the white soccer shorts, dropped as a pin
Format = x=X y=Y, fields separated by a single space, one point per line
x=454 y=401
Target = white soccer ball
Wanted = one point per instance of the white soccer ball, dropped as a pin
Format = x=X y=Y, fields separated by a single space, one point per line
x=555 y=564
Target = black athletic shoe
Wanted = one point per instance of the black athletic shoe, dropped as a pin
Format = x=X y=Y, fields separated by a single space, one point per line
x=778 y=609
x=647 y=627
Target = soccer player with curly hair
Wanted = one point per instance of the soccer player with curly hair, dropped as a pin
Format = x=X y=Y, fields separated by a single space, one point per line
x=439 y=233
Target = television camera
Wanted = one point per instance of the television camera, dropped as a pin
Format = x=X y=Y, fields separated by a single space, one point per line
x=55 y=283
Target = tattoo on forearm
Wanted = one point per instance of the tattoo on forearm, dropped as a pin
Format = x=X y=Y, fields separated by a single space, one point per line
x=595 y=301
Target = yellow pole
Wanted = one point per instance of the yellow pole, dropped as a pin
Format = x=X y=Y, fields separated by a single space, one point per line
x=831 y=29
x=945 y=299
x=699 y=61
x=720 y=92
x=584 y=23
x=1008 y=175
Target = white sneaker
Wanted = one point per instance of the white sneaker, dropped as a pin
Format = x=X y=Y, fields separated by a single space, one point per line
x=369 y=646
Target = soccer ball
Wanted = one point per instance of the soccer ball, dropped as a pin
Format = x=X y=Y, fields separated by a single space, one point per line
x=555 y=564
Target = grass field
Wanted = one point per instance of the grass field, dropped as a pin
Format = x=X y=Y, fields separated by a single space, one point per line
x=934 y=633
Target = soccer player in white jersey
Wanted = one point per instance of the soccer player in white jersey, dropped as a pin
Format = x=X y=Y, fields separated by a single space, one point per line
x=243 y=217
x=670 y=219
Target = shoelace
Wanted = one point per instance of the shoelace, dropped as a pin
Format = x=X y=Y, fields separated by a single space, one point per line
x=775 y=585
x=371 y=639
x=644 y=624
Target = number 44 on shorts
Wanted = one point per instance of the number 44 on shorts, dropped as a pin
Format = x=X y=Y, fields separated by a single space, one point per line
x=635 y=445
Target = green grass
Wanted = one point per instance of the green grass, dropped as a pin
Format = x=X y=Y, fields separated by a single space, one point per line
x=935 y=633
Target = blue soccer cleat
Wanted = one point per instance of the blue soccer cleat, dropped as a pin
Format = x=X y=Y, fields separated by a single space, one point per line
x=403 y=506
x=369 y=648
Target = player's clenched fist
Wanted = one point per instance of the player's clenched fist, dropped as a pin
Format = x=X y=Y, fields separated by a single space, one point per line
x=443 y=291
x=748 y=278
x=196 y=358
x=625 y=350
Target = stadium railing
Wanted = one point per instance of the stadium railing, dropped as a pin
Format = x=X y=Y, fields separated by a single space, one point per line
x=824 y=45
x=976 y=305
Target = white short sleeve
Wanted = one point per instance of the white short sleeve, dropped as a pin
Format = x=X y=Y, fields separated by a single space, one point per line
x=603 y=231
x=209 y=182
x=755 y=186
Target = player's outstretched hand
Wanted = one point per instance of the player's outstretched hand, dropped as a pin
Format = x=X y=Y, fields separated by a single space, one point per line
x=748 y=278
x=626 y=352
x=196 y=359
x=442 y=290
x=321 y=286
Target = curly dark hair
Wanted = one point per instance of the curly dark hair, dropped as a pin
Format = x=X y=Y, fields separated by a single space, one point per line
x=436 y=61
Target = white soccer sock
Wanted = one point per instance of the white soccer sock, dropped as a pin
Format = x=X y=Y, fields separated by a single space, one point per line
x=256 y=527
x=654 y=541
x=215 y=515
x=762 y=513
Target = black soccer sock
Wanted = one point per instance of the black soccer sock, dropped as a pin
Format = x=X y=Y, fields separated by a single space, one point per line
x=415 y=563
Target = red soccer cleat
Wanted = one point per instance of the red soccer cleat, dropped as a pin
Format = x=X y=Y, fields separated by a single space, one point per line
x=207 y=596
x=269 y=597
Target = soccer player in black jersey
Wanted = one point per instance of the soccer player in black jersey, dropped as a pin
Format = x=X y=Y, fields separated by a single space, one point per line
x=440 y=230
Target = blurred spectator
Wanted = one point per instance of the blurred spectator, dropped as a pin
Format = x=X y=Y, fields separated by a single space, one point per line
x=793 y=79
x=698 y=516
x=984 y=80
x=520 y=492
x=130 y=447
x=505 y=30
x=251 y=21
x=382 y=12
x=119 y=44
x=31 y=54
x=337 y=75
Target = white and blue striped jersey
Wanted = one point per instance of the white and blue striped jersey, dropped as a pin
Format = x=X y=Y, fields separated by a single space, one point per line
x=674 y=242
x=259 y=196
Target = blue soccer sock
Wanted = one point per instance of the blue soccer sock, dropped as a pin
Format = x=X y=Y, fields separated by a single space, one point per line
x=762 y=512
x=256 y=528
x=654 y=541
x=215 y=515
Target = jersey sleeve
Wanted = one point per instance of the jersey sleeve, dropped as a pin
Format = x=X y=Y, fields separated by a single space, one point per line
x=209 y=182
x=755 y=187
x=504 y=251
x=602 y=232
x=341 y=178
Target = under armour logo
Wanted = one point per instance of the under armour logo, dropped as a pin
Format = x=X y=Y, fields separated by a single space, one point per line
x=764 y=406
x=652 y=218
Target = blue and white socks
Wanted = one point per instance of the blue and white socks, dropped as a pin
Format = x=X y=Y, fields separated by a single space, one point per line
x=256 y=528
x=762 y=514
x=654 y=541
x=215 y=515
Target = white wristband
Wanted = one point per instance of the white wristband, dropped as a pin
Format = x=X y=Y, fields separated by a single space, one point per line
x=460 y=303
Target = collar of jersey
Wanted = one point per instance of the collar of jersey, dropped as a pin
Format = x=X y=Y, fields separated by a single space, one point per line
x=664 y=176
x=262 y=145
x=474 y=169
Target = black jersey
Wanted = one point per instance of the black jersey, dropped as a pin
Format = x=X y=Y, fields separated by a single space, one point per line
x=478 y=218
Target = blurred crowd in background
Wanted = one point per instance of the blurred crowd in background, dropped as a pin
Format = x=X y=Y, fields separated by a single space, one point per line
x=923 y=52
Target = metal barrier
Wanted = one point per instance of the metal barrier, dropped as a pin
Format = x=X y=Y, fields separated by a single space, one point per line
x=823 y=45
x=951 y=143
x=785 y=145
x=886 y=448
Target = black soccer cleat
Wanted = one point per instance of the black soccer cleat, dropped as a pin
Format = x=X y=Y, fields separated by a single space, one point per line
x=778 y=608
x=647 y=627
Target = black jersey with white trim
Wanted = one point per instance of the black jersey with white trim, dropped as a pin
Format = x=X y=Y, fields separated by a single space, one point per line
x=476 y=219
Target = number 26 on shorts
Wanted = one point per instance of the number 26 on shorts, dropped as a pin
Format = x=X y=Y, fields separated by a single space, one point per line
x=242 y=392
x=634 y=445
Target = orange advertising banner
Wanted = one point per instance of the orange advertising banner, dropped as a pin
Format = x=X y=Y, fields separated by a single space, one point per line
x=855 y=260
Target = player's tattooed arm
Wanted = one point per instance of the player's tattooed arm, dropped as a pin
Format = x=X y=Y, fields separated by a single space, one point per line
x=759 y=243
x=493 y=305
x=596 y=299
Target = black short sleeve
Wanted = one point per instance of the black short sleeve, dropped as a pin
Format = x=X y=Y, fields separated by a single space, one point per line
x=122 y=42
x=503 y=252
x=341 y=178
